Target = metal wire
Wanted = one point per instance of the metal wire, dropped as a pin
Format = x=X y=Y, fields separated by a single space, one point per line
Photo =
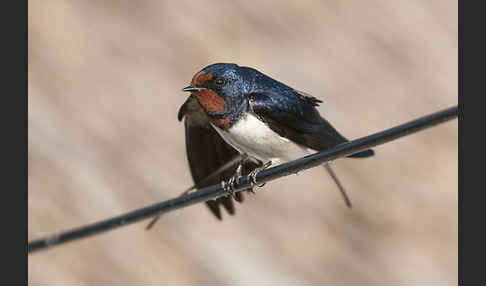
x=264 y=176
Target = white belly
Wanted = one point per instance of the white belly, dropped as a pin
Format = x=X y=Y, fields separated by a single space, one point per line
x=253 y=137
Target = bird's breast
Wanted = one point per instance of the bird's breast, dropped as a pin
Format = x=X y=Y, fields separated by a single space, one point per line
x=253 y=137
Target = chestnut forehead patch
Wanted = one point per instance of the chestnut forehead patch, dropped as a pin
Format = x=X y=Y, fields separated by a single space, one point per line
x=200 y=78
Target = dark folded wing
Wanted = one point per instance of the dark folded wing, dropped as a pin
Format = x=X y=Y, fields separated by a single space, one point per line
x=295 y=119
x=211 y=159
x=294 y=116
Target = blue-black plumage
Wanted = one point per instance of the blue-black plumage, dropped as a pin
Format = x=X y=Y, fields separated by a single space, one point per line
x=239 y=112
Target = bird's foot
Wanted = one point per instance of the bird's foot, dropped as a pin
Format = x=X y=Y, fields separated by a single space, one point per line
x=254 y=173
x=230 y=186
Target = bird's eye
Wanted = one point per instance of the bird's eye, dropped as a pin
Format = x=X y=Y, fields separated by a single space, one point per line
x=219 y=81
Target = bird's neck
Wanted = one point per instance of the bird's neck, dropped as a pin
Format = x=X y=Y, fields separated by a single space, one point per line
x=231 y=114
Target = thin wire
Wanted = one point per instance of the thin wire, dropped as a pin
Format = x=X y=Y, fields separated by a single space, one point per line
x=267 y=175
x=224 y=167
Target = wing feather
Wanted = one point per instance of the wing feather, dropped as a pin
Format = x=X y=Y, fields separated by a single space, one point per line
x=294 y=116
x=298 y=121
x=207 y=153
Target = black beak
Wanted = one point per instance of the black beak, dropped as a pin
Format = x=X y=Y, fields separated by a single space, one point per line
x=192 y=88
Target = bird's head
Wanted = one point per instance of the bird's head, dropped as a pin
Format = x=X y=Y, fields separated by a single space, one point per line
x=220 y=87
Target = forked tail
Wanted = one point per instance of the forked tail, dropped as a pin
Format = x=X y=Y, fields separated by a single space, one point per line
x=338 y=183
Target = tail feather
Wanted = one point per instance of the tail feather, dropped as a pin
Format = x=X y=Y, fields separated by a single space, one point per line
x=339 y=185
x=363 y=154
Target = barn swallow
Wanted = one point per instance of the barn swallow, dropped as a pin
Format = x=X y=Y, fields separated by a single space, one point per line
x=239 y=121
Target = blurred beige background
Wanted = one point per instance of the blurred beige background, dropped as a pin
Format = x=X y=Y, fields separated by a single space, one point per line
x=104 y=90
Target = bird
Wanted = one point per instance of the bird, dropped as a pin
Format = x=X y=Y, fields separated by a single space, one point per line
x=239 y=121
